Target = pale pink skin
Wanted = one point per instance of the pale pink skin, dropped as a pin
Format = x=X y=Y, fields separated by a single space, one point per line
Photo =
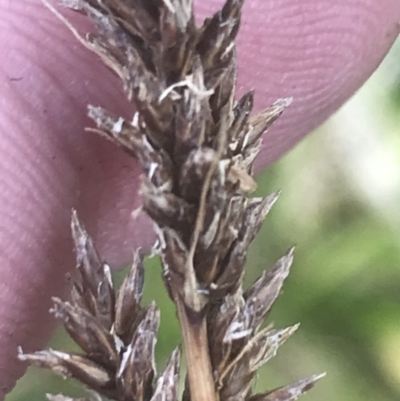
x=318 y=51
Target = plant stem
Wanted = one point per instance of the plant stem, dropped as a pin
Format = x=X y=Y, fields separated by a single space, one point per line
x=194 y=333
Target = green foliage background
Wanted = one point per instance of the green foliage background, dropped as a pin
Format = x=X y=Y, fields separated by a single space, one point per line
x=341 y=206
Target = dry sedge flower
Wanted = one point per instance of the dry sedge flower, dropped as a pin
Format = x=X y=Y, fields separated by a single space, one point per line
x=197 y=146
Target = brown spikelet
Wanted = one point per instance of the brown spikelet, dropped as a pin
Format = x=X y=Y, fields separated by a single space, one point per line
x=197 y=146
x=117 y=345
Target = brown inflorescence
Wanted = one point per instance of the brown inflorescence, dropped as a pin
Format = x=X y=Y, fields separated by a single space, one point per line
x=197 y=147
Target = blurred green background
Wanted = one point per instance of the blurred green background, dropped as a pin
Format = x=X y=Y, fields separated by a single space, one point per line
x=341 y=206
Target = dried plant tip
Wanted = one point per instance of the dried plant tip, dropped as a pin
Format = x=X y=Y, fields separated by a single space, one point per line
x=128 y=307
x=220 y=32
x=137 y=367
x=255 y=214
x=262 y=294
x=96 y=288
x=126 y=135
x=262 y=121
x=76 y=366
x=235 y=378
x=87 y=332
x=289 y=393
x=264 y=346
x=167 y=384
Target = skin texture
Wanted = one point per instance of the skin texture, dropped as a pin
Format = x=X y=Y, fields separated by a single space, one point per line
x=318 y=51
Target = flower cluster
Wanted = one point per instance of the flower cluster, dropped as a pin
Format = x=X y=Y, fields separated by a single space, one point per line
x=196 y=146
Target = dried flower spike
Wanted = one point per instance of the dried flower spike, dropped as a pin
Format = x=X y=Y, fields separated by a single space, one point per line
x=197 y=147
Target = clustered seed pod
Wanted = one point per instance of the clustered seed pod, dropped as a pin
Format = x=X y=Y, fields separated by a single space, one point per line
x=197 y=147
